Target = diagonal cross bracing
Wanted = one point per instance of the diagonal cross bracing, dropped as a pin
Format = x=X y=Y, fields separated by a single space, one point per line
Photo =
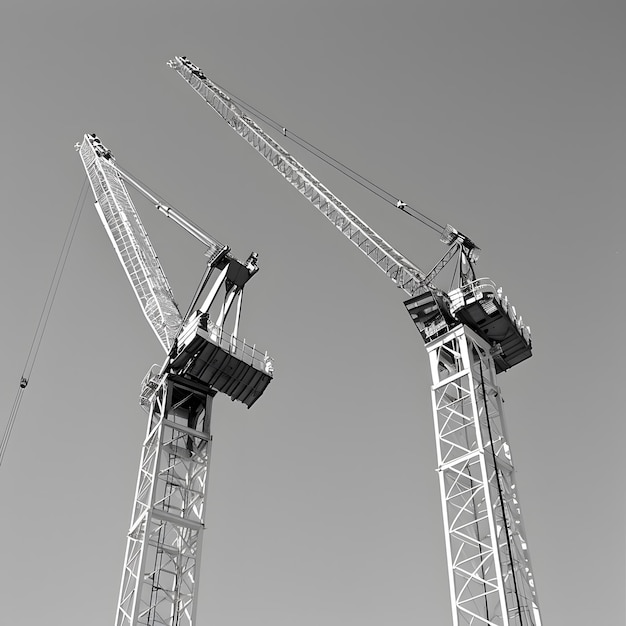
x=491 y=582
x=400 y=269
x=161 y=570
x=131 y=243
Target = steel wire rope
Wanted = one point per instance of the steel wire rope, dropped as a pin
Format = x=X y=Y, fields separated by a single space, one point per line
x=44 y=317
x=9 y=428
x=131 y=179
x=456 y=267
x=339 y=166
x=199 y=289
x=205 y=276
x=501 y=496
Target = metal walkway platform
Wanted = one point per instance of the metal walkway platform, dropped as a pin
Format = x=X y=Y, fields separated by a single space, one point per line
x=207 y=354
x=482 y=307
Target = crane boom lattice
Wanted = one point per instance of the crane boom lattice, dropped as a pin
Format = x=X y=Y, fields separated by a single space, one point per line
x=131 y=242
x=401 y=270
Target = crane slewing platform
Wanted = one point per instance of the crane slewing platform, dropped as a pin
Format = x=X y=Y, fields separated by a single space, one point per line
x=481 y=306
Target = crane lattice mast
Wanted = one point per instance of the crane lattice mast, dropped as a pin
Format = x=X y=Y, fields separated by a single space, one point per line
x=471 y=334
x=162 y=562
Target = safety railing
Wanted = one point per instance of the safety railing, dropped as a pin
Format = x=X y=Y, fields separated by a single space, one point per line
x=485 y=288
x=240 y=348
x=149 y=385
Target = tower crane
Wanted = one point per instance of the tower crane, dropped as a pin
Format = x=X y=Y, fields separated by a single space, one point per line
x=471 y=334
x=162 y=562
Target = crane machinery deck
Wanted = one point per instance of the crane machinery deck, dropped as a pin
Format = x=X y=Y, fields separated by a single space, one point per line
x=162 y=562
x=471 y=334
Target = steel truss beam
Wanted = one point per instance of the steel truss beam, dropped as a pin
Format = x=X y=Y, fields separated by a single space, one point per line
x=162 y=563
x=400 y=269
x=491 y=581
x=131 y=243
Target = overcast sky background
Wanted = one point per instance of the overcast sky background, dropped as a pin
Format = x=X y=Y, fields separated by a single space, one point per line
x=505 y=119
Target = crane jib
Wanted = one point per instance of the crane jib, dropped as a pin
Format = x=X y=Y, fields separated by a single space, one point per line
x=132 y=245
x=403 y=272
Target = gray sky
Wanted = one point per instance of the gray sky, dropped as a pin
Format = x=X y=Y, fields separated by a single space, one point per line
x=502 y=118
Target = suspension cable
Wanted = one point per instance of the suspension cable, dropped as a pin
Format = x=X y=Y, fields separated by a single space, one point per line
x=152 y=195
x=372 y=187
x=501 y=496
x=44 y=318
x=155 y=197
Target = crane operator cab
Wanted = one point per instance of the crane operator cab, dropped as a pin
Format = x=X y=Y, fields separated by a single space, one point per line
x=481 y=306
x=478 y=304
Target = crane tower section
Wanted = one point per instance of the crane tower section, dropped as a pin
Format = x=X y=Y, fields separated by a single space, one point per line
x=490 y=574
x=471 y=334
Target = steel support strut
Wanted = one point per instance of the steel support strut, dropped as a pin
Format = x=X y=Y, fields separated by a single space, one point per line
x=491 y=582
x=162 y=563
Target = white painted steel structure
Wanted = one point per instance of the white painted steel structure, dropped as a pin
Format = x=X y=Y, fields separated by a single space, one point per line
x=402 y=271
x=491 y=581
x=162 y=562
x=471 y=334
x=130 y=241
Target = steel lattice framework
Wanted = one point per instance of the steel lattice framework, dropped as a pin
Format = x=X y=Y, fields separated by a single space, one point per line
x=470 y=334
x=400 y=269
x=131 y=243
x=162 y=563
x=161 y=566
x=491 y=581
